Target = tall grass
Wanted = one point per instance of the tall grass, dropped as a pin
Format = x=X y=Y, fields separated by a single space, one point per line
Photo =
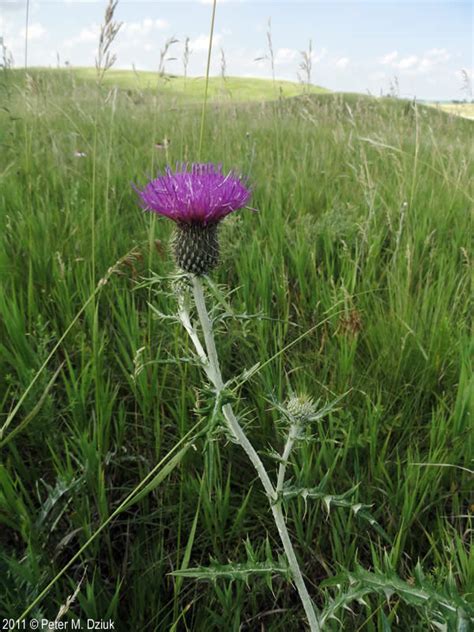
x=362 y=225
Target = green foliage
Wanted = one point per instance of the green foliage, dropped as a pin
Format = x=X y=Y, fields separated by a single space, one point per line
x=331 y=501
x=356 y=265
x=242 y=571
x=140 y=84
x=442 y=610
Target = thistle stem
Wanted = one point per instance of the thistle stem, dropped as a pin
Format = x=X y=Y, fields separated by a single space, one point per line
x=292 y=436
x=213 y=371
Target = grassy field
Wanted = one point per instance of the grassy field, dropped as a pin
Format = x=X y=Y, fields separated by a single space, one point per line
x=177 y=89
x=363 y=229
x=465 y=110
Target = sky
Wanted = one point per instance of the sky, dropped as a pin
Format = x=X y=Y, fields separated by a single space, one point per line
x=358 y=46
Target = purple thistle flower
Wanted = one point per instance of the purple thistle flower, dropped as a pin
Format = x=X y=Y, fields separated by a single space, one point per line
x=202 y=195
x=196 y=200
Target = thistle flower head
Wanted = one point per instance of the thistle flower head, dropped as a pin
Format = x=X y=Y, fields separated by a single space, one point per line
x=201 y=194
x=301 y=408
x=196 y=199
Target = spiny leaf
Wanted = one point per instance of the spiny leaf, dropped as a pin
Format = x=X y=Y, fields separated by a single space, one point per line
x=446 y=611
x=241 y=572
x=56 y=495
x=336 y=500
x=343 y=601
x=442 y=607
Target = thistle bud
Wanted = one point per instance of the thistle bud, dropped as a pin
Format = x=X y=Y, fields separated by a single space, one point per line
x=301 y=409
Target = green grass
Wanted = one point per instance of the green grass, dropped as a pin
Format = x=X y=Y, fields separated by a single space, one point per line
x=177 y=88
x=363 y=223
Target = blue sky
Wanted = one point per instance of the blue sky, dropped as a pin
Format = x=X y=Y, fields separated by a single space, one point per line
x=357 y=46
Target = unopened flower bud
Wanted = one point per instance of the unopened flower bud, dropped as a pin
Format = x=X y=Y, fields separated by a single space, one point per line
x=301 y=408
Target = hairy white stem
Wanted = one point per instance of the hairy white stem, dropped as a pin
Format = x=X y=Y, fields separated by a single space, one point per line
x=183 y=316
x=290 y=442
x=213 y=371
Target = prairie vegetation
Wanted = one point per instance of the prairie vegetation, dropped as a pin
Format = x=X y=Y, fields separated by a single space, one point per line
x=361 y=237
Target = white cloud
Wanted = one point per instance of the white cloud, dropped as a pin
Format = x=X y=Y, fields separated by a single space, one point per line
x=415 y=63
x=130 y=34
x=440 y=54
x=434 y=57
x=342 y=62
x=389 y=58
x=86 y=35
x=12 y=6
x=377 y=76
x=406 y=62
x=5 y=27
x=35 y=31
x=285 y=55
x=425 y=64
x=316 y=57
x=201 y=42
x=143 y=27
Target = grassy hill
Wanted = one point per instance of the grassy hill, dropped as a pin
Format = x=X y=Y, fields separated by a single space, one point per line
x=360 y=244
x=180 y=89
